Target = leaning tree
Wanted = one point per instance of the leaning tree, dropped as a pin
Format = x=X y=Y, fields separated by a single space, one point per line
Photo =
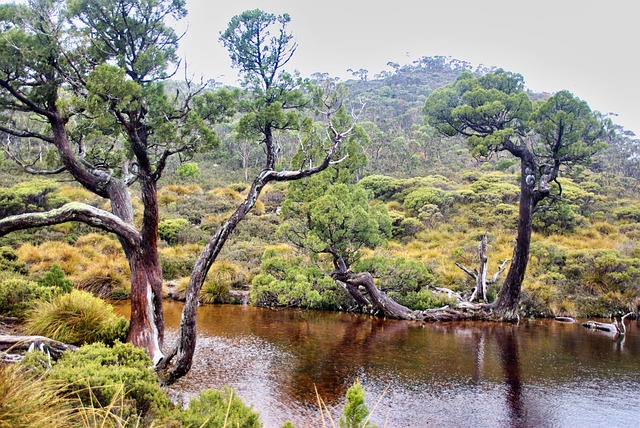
x=494 y=114
x=86 y=78
x=274 y=104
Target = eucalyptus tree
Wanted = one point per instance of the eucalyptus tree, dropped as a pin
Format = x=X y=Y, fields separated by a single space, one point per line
x=86 y=78
x=260 y=47
x=495 y=114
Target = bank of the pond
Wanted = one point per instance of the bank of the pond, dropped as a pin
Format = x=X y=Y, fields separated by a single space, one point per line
x=537 y=373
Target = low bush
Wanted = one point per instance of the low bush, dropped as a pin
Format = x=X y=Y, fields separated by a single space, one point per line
x=97 y=373
x=18 y=295
x=422 y=299
x=169 y=229
x=9 y=261
x=56 y=278
x=76 y=318
x=212 y=409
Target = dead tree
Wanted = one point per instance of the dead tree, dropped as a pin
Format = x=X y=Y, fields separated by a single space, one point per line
x=480 y=274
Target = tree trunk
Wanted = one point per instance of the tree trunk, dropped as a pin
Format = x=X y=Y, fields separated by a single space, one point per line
x=146 y=326
x=506 y=306
x=186 y=344
x=146 y=329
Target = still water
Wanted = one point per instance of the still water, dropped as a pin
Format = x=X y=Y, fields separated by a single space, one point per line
x=539 y=373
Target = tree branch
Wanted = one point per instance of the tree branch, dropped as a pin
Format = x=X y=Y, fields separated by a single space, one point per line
x=74 y=211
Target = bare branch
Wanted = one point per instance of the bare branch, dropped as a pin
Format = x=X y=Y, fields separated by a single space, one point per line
x=74 y=211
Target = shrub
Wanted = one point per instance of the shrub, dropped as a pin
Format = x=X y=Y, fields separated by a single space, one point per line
x=221 y=278
x=212 y=409
x=17 y=295
x=284 y=281
x=169 y=229
x=188 y=170
x=56 y=278
x=422 y=299
x=96 y=373
x=28 y=196
x=418 y=198
x=355 y=413
x=9 y=261
x=76 y=318
x=396 y=274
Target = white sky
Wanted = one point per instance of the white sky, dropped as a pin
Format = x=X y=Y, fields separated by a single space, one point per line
x=590 y=47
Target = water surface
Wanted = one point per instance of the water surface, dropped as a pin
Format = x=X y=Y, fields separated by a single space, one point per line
x=466 y=374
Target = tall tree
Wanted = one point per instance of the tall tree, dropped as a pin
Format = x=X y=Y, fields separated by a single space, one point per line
x=275 y=104
x=494 y=113
x=86 y=77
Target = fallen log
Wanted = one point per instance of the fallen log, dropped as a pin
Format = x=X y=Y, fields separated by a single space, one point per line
x=30 y=343
x=615 y=328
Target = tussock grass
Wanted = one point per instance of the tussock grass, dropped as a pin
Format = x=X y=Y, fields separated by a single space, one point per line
x=103 y=277
x=27 y=401
x=76 y=318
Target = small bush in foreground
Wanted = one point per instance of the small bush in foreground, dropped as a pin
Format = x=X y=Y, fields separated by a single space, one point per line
x=76 y=318
x=214 y=409
x=96 y=374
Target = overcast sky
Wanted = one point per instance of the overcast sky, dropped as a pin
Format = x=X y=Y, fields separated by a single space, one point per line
x=590 y=47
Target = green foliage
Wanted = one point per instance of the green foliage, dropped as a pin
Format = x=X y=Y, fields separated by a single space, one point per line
x=380 y=186
x=288 y=281
x=30 y=196
x=96 y=373
x=76 y=318
x=355 y=413
x=397 y=275
x=422 y=299
x=555 y=218
x=9 y=261
x=422 y=196
x=18 y=295
x=169 y=229
x=55 y=278
x=188 y=170
x=631 y=212
x=338 y=220
x=212 y=409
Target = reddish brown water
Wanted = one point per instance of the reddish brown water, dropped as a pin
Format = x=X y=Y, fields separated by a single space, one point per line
x=537 y=374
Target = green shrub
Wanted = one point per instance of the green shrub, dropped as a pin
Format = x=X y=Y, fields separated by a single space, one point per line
x=396 y=274
x=418 y=198
x=176 y=266
x=422 y=299
x=355 y=413
x=76 y=318
x=18 y=295
x=213 y=409
x=9 y=261
x=285 y=281
x=56 y=278
x=555 y=218
x=96 y=373
x=169 y=229
x=188 y=170
x=28 y=196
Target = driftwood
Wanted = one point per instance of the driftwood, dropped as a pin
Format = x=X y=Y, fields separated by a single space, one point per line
x=15 y=344
x=565 y=319
x=615 y=328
